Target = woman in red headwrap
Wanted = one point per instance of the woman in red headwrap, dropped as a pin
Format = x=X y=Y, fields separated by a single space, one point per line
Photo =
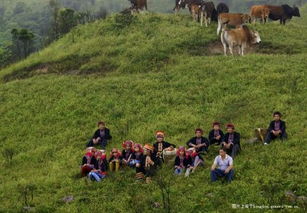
x=89 y=161
x=102 y=167
x=147 y=167
x=183 y=162
x=127 y=152
x=115 y=160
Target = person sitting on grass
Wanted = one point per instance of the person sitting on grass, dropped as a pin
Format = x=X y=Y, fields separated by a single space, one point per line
x=216 y=134
x=183 y=162
x=231 y=141
x=199 y=143
x=115 y=160
x=102 y=167
x=127 y=152
x=197 y=159
x=148 y=165
x=277 y=129
x=101 y=136
x=136 y=155
x=89 y=161
x=222 y=167
x=161 y=146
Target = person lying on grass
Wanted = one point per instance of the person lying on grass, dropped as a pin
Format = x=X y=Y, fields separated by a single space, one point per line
x=222 y=167
x=216 y=134
x=89 y=161
x=161 y=146
x=183 y=162
x=277 y=129
x=200 y=143
x=99 y=173
x=231 y=141
x=101 y=136
x=127 y=153
x=115 y=160
x=197 y=159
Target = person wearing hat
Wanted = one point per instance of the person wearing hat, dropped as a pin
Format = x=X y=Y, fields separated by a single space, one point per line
x=89 y=161
x=148 y=164
x=216 y=134
x=183 y=162
x=115 y=160
x=199 y=143
x=277 y=129
x=231 y=141
x=136 y=155
x=102 y=167
x=160 y=145
x=222 y=167
x=101 y=136
x=127 y=152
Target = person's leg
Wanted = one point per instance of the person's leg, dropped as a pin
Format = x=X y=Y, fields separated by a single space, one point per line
x=95 y=176
x=116 y=166
x=177 y=171
x=229 y=175
x=104 y=143
x=269 y=137
x=187 y=172
x=215 y=174
x=235 y=150
x=111 y=166
x=90 y=143
x=283 y=136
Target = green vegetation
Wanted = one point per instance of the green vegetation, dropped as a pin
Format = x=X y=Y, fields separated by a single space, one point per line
x=143 y=73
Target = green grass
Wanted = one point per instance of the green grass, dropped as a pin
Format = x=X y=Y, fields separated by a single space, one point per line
x=143 y=74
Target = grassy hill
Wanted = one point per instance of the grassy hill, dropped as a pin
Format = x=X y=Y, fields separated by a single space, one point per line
x=144 y=73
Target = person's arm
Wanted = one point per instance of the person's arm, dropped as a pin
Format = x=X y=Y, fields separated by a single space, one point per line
x=237 y=138
x=108 y=134
x=230 y=166
x=214 y=165
x=211 y=135
x=283 y=127
x=84 y=160
x=176 y=162
x=271 y=126
x=190 y=143
x=96 y=134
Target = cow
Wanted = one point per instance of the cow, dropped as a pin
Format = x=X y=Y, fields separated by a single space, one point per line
x=138 y=5
x=222 y=8
x=207 y=13
x=259 y=11
x=179 y=4
x=232 y=19
x=283 y=12
x=240 y=37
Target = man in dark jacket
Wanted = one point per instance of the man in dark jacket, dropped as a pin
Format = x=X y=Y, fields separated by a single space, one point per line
x=277 y=129
x=216 y=134
x=101 y=136
x=231 y=141
x=200 y=143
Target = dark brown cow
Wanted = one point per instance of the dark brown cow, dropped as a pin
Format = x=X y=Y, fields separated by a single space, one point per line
x=232 y=19
x=138 y=4
x=283 y=12
x=259 y=11
x=207 y=12
x=240 y=37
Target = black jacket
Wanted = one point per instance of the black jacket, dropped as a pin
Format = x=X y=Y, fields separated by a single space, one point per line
x=204 y=140
x=187 y=161
x=236 y=138
x=211 y=136
x=90 y=160
x=164 y=146
x=282 y=126
x=124 y=152
x=107 y=135
x=102 y=165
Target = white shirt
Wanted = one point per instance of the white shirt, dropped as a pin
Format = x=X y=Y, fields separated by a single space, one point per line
x=223 y=164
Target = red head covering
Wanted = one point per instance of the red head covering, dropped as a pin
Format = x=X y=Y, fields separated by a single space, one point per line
x=180 y=149
x=89 y=154
x=216 y=123
x=139 y=146
x=127 y=143
x=230 y=125
x=160 y=133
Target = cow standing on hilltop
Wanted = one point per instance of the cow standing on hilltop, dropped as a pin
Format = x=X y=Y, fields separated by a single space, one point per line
x=240 y=37
x=283 y=12
x=259 y=11
x=232 y=19
x=222 y=8
x=207 y=13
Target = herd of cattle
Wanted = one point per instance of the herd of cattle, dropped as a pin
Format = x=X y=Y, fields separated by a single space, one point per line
x=241 y=36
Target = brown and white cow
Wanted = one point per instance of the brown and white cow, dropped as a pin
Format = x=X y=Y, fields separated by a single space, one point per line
x=259 y=12
x=240 y=37
x=232 y=19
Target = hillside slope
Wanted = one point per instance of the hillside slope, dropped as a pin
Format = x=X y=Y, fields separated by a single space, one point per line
x=144 y=73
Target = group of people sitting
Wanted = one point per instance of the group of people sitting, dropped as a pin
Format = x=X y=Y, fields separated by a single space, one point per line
x=146 y=159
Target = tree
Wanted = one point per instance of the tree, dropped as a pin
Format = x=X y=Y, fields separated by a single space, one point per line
x=22 y=42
